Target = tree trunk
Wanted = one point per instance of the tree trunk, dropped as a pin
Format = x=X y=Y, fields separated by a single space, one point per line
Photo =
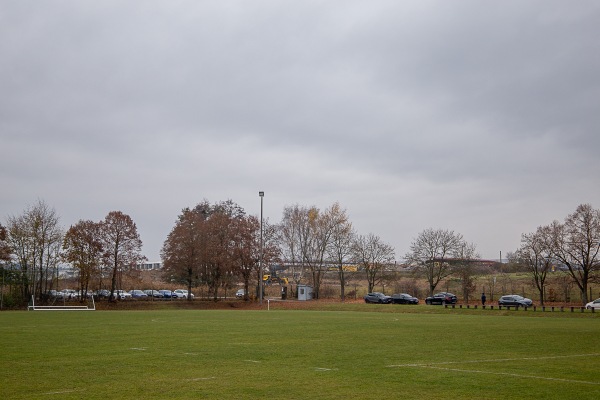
x=342 y=284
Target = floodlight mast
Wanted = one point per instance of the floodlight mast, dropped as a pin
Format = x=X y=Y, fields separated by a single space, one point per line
x=260 y=262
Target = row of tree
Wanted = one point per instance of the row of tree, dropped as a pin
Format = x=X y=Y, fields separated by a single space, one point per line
x=218 y=245
x=573 y=245
x=314 y=241
x=215 y=245
x=35 y=244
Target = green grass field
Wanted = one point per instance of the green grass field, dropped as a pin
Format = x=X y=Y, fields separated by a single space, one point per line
x=299 y=354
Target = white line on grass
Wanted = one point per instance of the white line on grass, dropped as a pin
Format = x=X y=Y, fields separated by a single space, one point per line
x=509 y=374
x=491 y=360
x=138 y=348
x=438 y=366
x=253 y=361
x=201 y=379
x=65 y=391
x=325 y=369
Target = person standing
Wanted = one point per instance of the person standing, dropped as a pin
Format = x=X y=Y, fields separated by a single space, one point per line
x=483 y=298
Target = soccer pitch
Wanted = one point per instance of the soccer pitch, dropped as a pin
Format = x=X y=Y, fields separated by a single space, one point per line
x=295 y=354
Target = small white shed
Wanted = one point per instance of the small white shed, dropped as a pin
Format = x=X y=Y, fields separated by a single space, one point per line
x=305 y=292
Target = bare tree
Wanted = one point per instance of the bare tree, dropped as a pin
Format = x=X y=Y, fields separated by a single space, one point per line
x=340 y=249
x=430 y=252
x=306 y=237
x=465 y=267
x=535 y=254
x=324 y=225
x=576 y=244
x=312 y=246
x=291 y=240
x=121 y=244
x=82 y=248
x=373 y=255
x=299 y=238
x=36 y=237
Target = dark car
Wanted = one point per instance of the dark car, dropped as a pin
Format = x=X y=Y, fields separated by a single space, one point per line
x=138 y=294
x=403 y=298
x=441 y=298
x=153 y=293
x=167 y=294
x=515 y=300
x=377 y=297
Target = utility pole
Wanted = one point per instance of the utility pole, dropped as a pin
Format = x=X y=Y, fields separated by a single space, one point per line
x=260 y=263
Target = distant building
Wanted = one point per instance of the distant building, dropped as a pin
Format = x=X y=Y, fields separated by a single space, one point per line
x=154 y=266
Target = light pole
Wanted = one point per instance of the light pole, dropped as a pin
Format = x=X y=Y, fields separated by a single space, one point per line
x=260 y=262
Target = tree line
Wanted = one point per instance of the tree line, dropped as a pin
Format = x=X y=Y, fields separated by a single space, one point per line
x=572 y=245
x=33 y=245
x=219 y=245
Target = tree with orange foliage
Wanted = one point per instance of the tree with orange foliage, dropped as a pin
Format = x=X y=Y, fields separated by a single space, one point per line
x=122 y=245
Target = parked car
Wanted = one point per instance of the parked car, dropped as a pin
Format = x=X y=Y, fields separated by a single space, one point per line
x=593 y=304
x=69 y=294
x=404 y=298
x=122 y=295
x=377 y=297
x=183 y=294
x=167 y=294
x=102 y=294
x=441 y=298
x=154 y=293
x=240 y=293
x=515 y=300
x=138 y=294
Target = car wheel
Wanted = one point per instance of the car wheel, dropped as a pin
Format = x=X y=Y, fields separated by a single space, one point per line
x=427 y=302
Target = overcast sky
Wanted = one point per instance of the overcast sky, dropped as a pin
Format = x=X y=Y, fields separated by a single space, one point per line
x=474 y=116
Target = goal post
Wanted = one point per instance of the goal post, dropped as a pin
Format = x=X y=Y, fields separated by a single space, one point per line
x=91 y=306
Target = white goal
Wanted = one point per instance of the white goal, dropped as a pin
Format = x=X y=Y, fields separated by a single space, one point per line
x=91 y=306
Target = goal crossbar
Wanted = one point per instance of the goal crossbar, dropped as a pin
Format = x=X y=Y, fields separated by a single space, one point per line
x=33 y=307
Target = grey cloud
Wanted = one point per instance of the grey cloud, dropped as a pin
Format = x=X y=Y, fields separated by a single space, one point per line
x=431 y=108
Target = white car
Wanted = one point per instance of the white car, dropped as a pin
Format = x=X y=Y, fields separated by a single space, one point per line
x=593 y=304
x=69 y=294
x=240 y=293
x=183 y=294
x=122 y=295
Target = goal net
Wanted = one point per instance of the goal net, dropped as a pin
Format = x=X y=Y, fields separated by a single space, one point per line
x=91 y=306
